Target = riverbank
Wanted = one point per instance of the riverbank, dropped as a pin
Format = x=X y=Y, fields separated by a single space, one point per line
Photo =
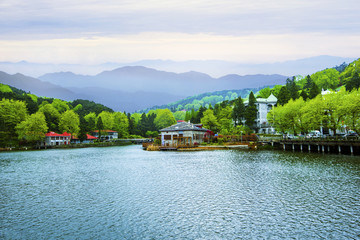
x=152 y=147
x=69 y=146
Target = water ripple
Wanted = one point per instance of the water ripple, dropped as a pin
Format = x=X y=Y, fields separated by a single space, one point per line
x=127 y=193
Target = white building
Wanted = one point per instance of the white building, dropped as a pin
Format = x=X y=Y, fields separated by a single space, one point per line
x=264 y=105
x=52 y=139
x=182 y=134
x=106 y=134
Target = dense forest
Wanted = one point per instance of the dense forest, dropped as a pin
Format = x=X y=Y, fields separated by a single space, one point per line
x=205 y=100
x=25 y=117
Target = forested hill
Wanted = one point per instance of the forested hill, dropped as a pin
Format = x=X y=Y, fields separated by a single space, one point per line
x=206 y=99
x=33 y=102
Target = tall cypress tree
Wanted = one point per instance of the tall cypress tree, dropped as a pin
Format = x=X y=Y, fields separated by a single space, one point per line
x=283 y=96
x=314 y=91
x=304 y=95
x=238 y=111
x=354 y=82
x=131 y=124
x=308 y=83
x=99 y=126
x=292 y=88
x=251 y=112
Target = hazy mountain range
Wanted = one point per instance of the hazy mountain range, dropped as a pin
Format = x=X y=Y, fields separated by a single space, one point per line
x=133 y=88
x=214 y=68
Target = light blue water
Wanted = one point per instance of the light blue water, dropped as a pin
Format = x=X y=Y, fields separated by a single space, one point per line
x=128 y=193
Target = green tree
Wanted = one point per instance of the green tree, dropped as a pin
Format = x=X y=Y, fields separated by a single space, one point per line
x=84 y=129
x=333 y=110
x=283 y=96
x=179 y=115
x=251 y=112
x=264 y=93
x=308 y=83
x=225 y=120
x=60 y=105
x=107 y=119
x=209 y=121
x=199 y=114
x=304 y=95
x=69 y=122
x=314 y=91
x=238 y=111
x=121 y=124
x=326 y=79
x=353 y=82
x=313 y=113
x=90 y=119
x=99 y=126
x=292 y=88
x=78 y=108
x=52 y=116
x=164 y=119
x=351 y=109
x=276 y=117
x=33 y=128
x=276 y=90
x=11 y=113
x=132 y=124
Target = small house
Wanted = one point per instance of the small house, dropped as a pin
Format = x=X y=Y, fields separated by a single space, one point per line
x=182 y=134
x=89 y=139
x=53 y=138
x=106 y=134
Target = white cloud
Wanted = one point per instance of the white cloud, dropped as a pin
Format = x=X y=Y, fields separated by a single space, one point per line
x=240 y=30
x=180 y=46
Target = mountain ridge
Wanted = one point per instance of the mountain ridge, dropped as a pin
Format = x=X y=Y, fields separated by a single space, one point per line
x=214 y=68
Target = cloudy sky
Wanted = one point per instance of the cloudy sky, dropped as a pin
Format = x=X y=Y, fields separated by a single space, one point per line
x=91 y=31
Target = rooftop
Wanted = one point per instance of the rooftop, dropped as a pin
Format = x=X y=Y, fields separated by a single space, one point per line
x=54 y=134
x=183 y=126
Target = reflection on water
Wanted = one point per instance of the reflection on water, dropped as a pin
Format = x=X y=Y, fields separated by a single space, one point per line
x=127 y=193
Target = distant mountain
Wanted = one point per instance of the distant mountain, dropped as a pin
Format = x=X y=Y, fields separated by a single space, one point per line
x=115 y=99
x=37 y=87
x=125 y=101
x=215 y=68
x=138 y=78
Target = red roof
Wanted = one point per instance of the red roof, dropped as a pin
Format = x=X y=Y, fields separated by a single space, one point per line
x=54 y=134
x=180 y=121
x=88 y=137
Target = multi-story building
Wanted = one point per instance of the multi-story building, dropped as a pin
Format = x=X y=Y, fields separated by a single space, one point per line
x=264 y=105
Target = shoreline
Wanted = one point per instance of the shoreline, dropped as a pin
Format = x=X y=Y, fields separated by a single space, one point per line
x=70 y=146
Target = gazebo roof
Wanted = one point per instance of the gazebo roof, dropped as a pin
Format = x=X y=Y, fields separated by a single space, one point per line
x=183 y=126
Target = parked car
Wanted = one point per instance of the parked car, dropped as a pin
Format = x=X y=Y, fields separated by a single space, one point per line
x=290 y=136
x=314 y=134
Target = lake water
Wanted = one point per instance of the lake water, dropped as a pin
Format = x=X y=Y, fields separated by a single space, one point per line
x=128 y=193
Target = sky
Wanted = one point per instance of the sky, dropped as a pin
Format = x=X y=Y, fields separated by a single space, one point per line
x=246 y=31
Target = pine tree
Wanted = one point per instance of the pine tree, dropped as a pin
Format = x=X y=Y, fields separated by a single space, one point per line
x=283 y=96
x=354 y=82
x=308 y=83
x=292 y=88
x=99 y=126
x=238 y=111
x=304 y=95
x=131 y=124
x=314 y=91
x=251 y=112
